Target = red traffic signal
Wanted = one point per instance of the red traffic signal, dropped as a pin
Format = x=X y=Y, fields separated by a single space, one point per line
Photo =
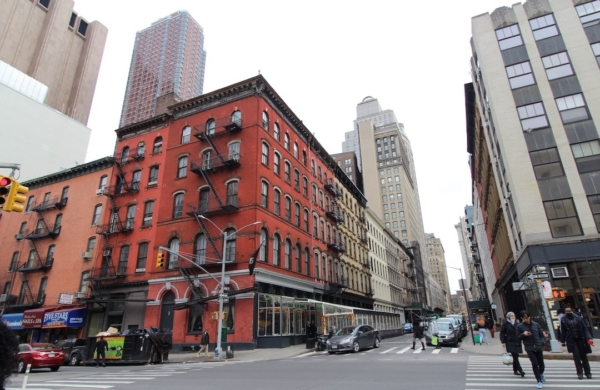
x=558 y=293
x=5 y=182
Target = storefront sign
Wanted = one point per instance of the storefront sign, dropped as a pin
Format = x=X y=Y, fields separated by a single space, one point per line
x=65 y=299
x=13 y=321
x=33 y=318
x=72 y=318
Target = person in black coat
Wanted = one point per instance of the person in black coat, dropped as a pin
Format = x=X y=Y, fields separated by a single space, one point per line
x=575 y=335
x=532 y=336
x=510 y=341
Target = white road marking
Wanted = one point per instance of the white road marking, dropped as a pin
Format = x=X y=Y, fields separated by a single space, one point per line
x=387 y=350
x=72 y=385
x=403 y=350
x=436 y=351
x=418 y=350
x=454 y=350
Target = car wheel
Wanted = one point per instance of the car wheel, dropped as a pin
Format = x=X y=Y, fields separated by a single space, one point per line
x=21 y=366
x=54 y=369
x=75 y=359
x=331 y=353
x=377 y=342
x=355 y=346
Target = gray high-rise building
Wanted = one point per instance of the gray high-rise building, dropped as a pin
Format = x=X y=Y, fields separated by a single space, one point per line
x=168 y=58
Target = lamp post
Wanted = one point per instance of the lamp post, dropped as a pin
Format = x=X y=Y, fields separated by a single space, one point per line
x=462 y=281
x=222 y=290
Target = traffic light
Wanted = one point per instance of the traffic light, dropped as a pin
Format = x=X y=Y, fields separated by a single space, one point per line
x=160 y=260
x=558 y=293
x=14 y=199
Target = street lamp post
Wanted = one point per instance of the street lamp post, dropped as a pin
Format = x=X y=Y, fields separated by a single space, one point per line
x=462 y=281
x=222 y=290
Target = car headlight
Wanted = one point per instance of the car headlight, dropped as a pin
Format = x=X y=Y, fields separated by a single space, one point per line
x=328 y=342
x=347 y=340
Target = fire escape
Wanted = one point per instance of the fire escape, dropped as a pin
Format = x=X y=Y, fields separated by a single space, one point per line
x=211 y=202
x=335 y=243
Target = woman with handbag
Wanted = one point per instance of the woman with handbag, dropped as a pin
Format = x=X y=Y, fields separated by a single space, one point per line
x=510 y=341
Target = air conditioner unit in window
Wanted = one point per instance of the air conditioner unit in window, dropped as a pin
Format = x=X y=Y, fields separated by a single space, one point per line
x=18 y=237
x=100 y=191
x=86 y=255
x=3 y=297
x=79 y=295
x=107 y=252
x=560 y=272
x=152 y=183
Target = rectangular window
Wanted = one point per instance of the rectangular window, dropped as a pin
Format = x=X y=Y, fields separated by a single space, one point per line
x=546 y=163
x=572 y=108
x=288 y=209
x=543 y=27
x=509 y=37
x=182 y=167
x=562 y=218
x=589 y=13
x=82 y=27
x=297 y=214
x=587 y=156
x=305 y=220
x=277 y=202
x=265 y=154
x=264 y=195
x=153 y=177
x=141 y=258
x=45 y=3
x=73 y=18
x=532 y=116
x=519 y=75
x=594 y=201
x=596 y=50
x=557 y=65
x=148 y=211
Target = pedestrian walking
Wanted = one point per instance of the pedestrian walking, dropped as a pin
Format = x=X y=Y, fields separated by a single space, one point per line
x=418 y=334
x=510 y=341
x=101 y=347
x=575 y=335
x=204 y=341
x=435 y=331
x=532 y=336
x=489 y=324
x=481 y=327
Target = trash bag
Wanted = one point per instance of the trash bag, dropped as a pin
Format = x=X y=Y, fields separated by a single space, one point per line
x=507 y=359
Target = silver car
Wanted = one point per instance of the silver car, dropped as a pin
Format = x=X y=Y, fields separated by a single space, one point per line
x=455 y=323
x=353 y=338
x=447 y=334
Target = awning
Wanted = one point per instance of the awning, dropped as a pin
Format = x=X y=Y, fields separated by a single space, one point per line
x=68 y=318
x=35 y=318
x=13 y=321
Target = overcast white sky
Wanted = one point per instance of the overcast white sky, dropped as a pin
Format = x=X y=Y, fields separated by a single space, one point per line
x=323 y=57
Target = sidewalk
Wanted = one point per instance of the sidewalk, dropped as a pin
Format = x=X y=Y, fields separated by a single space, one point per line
x=495 y=348
x=241 y=356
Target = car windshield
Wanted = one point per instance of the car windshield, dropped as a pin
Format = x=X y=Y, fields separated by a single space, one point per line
x=38 y=347
x=345 y=331
x=445 y=326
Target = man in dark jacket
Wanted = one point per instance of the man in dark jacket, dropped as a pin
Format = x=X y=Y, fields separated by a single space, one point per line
x=204 y=342
x=101 y=347
x=532 y=336
x=510 y=341
x=575 y=335
x=489 y=324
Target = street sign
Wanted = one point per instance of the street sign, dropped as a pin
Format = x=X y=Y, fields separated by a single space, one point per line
x=541 y=275
x=493 y=306
x=520 y=286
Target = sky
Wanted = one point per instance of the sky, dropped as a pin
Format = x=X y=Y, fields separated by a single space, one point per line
x=323 y=57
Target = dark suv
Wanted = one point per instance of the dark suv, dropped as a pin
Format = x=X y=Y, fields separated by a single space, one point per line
x=75 y=350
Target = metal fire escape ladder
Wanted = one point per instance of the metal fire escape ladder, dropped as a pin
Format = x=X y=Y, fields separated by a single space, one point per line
x=28 y=293
x=192 y=282
x=37 y=254
x=214 y=147
x=121 y=176
x=211 y=241
x=212 y=187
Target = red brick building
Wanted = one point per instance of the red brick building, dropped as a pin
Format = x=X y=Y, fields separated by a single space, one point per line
x=222 y=162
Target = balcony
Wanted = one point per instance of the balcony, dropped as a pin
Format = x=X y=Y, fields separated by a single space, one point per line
x=134 y=154
x=335 y=215
x=212 y=207
x=222 y=126
x=28 y=302
x=215 y=164
x=118 y=190
x=337 y=286
x=43 y=264
x=51 y=231
x=336 y=246
x=103 y=273
x=116 y=227
x=55 y=203
x=333 y=190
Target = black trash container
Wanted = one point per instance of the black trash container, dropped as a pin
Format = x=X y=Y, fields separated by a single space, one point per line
x=310 y=343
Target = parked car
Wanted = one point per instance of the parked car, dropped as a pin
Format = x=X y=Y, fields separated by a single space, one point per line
x=463 y=323
x=408 y=327
x=39 y=355
x=447 y=334
x=74 y=349
x=353 y=338
x=455 y=323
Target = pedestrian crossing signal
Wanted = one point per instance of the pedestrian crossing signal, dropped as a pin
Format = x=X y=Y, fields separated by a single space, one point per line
x=558 y=293
x=160 y=260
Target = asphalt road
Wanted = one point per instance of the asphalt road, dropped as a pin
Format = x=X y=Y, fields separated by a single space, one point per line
x=392 y=366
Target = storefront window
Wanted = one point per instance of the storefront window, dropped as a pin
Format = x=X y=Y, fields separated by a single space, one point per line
x=229 y=308
x=195 y=318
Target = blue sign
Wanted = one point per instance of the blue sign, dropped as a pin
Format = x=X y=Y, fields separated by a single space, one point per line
x=64 y=319
x=13 y=321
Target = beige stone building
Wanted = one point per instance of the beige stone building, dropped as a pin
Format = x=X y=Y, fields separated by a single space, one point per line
x=437 y=266
x=48 y=41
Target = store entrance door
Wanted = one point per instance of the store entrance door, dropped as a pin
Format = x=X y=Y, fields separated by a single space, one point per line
x=166 y=313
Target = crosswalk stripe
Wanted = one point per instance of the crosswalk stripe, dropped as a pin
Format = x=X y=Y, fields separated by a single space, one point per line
x=436 y=351
x=71 y=385
x=87 y=382
x=387 y=350
x=579 y=386
x=454 y=350
x=403 y=350
x=417 y=350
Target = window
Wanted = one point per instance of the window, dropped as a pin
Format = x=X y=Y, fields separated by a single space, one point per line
x=264 y=241
x=288 y=254
x=29 y=204
x=232 y=193
x=596 y=50
x=83 y=282
x=157 y=145
x=173 y=254
x=264 y=194
x=96 y=216
x=315 y=226
x=589 y=13
x=303 y=158
x=297 y=252
x=185 y=135
x=546 y=163
x=286 y=141
x=142 y=257
x=236 y=118
x=46 y=198
x=14 y=262
x=305 y=220
x=124 y=155
x=572 y=108
x=276 y=163
x=509 y=37
x=348 y=169
x=319 y=173
x=130 y=217
x=200 y=249
x=182 y=167
x=42 y=290
x=305 y=186
x=562 y=218
x=276 y=249
x=207 y=159
x=296 y=180
x=83 y=25
x=288 y=208
x=123 y=259
x=265 y=121
x=519 y=75
x=90 y=244
x=314 y=194
x=532 y=116
x=277 y=202
x=287 y=168
x=587 y=156
x=543 y=27
x=296 y=149
x=234 y=151
x=404 y=233
x=557 y=65
x=64 y=195
x=135 y=181
x=103 y=181
x=594 y=201
x=23 y=292
x=72 y=20
x=312 y=167
x=209 y=127
x=178 y=206
x=265 y=154
x=297 y=214
x=276 y=131
x=306 y=261
x=153 y=177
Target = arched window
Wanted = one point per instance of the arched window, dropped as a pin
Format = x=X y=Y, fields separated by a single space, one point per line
x=287 y=167
x=141 y=149
x=264 y=194
x=234 y=151
x=230 y=246
x=316 y=265
x=305 y=186
x=265 y=154
x=324 y=266
x=50 y=256
x=186 y=134
x=174 y=250
x=265 y=118
x=178 y=206
x=288 y=254
x=157 y=145
x=236 y=118
x=182 y=167
x=207 y=159
x=264 y=240
x=276 y=250
x=306 y=261
x=296 y=149
x=298 y=261
x=277 y=163
x=125 y=155
x=232 y=193
x=276 y=131
x=288 y=208
x=303 y=158
x=277 y=202
x=103 y=181
x=200 y=249
x=210 y=127
x=297 y=214
x=286 y=141
x=90 y=247
x=312 y=166
x=130 y=217
x=319 y=173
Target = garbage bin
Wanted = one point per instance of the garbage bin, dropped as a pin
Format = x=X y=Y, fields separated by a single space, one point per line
x=229 y=352
x=223 y=335
x=310 y=343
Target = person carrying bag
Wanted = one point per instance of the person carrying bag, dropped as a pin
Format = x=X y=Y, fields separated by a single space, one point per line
x=510 y=341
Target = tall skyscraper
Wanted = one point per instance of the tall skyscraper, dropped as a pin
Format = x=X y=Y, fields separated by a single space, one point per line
x=51 y=43
x=168 y=57
x=532 y=128
x=437 y=267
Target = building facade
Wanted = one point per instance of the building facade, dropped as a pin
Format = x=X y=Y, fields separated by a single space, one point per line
x=437 y=266
x=349 y=164
x=168 y=58
x=535 y=77
x=48 y=41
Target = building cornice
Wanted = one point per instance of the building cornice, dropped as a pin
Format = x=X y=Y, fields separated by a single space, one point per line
x=67 y=174
x=151 y=124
